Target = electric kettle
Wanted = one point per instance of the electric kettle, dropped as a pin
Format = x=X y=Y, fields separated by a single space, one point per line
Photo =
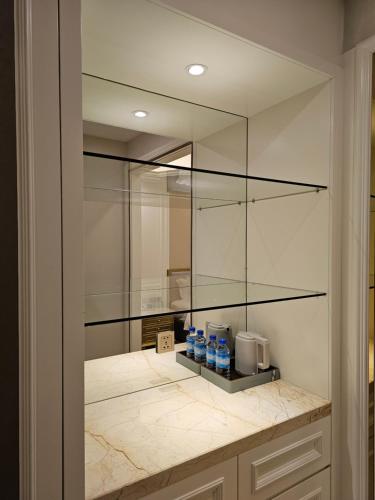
x=221 y=330
x=252 y=353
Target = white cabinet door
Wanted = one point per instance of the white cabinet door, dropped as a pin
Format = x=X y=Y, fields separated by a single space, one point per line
x=274 y=467
x=216 y=483
x=316 y=487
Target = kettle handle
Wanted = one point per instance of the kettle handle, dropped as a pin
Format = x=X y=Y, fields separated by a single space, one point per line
x=263 y=353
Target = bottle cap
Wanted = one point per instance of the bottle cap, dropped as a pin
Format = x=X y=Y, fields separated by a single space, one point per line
x=212 y=337
x=200 y=332
x=191 y=328
x=222 y=341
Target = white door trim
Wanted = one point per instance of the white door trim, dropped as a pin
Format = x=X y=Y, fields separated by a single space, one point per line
x=26 y=238
x=357 y=167
x=49 y=161
x=40 y=266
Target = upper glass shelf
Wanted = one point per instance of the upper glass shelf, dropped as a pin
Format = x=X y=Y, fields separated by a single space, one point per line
x=116 y=179
x=168 y=296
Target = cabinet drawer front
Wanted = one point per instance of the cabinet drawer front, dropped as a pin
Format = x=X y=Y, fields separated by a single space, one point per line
x=317 y=487
x=277 y=465
x=216 y=483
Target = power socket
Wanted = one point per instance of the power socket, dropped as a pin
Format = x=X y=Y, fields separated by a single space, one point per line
x=164 y=342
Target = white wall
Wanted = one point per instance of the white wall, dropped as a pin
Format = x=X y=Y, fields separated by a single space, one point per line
x=315 y=27
x=105 y=246
x=224 y=150
x=102 y=145
x=359 y=22
x=288 y=238
x=219 y=233
x=148 y=146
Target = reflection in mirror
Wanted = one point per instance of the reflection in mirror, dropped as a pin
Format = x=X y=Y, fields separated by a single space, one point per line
x=165 y=210
x=139 y=228
x=218 y=138
x=112 y=376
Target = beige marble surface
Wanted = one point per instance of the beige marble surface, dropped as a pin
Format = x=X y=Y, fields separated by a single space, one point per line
x=126 y=373
x=141 y=442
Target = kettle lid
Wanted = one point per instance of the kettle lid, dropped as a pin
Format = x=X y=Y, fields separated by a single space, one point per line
x=245 y=336
x=218 y=326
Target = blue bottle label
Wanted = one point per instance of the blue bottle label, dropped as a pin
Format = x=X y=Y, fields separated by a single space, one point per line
x=200 y=350
x=223 y=360
x=190 y=341
x=211 y=355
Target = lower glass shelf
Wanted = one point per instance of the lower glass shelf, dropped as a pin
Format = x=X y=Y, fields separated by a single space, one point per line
x=167 y=297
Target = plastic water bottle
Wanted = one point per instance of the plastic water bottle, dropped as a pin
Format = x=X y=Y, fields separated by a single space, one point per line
x=200 y=347
x=223 y=358
x=190 y=341
x=211 y=352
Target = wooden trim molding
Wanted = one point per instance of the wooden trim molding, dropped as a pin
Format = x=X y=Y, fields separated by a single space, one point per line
x=362 y=161
x=285 y=461
x=215 y=489
x=26 y=216
x=354 y=372
x=39 y=217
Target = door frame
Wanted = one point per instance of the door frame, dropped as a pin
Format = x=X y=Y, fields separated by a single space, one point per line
x=49 y=169
x=355 y=271
x=51 y=303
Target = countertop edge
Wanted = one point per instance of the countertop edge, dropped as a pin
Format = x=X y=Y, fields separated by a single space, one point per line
x=177 y=473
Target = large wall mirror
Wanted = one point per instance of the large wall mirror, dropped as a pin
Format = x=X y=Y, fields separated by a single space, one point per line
x=163 y=235
x=178 y=173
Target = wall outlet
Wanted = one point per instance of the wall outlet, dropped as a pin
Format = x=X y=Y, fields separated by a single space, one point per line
x=164 y=342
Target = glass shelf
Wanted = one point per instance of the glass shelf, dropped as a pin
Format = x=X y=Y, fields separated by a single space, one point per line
x=152 y=199
x=157 y=184
x=206 y=293
x=120 y=180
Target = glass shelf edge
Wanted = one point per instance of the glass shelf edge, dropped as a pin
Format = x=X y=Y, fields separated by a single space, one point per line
x=202 y=309
x=222 y=202
x=182 y=196
x=223 y=282
x=204 y=171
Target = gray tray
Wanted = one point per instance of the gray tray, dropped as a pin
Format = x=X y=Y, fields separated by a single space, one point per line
x=189 y=363
x=237 y=382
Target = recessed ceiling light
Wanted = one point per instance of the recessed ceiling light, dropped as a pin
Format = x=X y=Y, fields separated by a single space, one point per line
x=196 y=69
x=139 y=113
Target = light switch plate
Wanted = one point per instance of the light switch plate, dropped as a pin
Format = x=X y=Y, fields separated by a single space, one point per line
x=164 y=342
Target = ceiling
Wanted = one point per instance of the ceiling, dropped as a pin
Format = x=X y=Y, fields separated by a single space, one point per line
x=109 y=131
x=143 y=44
x=113 y=104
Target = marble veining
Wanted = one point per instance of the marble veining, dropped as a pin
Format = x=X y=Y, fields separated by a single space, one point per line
x=134 y=371
x=143 y=441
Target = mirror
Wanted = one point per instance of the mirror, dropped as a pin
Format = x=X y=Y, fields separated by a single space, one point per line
x=167 y=200
x=160 y=236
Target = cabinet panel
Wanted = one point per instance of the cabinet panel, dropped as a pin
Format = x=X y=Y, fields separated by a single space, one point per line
x=215 y=483
x=275 y=466
x=316 y=487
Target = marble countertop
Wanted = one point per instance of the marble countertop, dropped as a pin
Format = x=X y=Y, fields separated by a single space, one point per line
x=141 y=442
x=134 y=371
